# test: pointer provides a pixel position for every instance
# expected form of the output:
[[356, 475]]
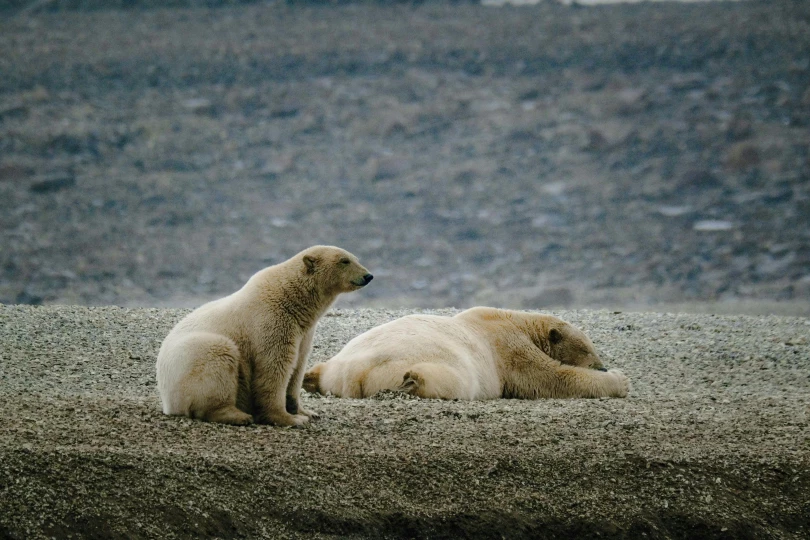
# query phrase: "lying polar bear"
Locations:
[[481, 353], [241, 358]]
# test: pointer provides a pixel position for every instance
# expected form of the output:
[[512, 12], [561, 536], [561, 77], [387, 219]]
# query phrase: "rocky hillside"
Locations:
[[541, 156]]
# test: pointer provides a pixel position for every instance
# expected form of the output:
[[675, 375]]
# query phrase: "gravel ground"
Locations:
[[713, 441], [544, 156]]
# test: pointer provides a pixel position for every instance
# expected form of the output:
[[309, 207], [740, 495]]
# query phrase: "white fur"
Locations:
[[481, 353], [241, 358]]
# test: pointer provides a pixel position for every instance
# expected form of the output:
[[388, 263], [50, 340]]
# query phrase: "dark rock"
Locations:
[[172, 164], [29, 298], [596, 141], [285, 109], [699, 179], [386, 167], [742, 156], [277, 166], [71, 144], [9, 112], [524, 135], [778, 196], [739, 128], [52, 183]]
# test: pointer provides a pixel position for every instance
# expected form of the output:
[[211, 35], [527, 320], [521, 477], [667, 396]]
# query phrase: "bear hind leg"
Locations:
[[411, 382], [227, 415], [211, 385], [433, 381]]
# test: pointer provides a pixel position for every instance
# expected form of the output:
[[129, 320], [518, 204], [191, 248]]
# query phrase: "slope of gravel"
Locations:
[[540, 156], [713, 441]]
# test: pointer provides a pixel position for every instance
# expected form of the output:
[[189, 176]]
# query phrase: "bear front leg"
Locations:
[[271, 377], [588, 383], [534, 375], [293, 399]]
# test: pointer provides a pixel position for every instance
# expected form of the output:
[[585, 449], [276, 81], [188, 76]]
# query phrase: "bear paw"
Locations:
[[411, 382], [229, 415], [621, 381], [285, 419], [306, 412]]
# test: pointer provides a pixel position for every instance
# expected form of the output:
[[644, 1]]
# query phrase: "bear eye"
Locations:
[[344, 261]]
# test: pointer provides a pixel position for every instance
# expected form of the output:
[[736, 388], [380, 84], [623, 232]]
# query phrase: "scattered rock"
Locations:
[[53, 182], [596, 141], [13, 111], [631, 100], [675, 211], [309, 123], [200, 106], [472, 171], [286, 108], [687, 81], [278, 165], [29, 298], [739, 128], [699, 179], [712, 225], [39, 94], [742, 156], [375, 134], [72, 143], [385, 167]]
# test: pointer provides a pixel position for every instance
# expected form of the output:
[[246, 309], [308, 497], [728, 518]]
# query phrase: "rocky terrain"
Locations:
[[712, 442], [550, 155]]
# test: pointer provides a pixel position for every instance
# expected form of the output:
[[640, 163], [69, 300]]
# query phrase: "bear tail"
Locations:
[[312, 379]]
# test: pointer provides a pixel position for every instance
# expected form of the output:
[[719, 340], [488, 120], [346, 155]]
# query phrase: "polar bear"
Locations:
[[242, 358], [481, 353]]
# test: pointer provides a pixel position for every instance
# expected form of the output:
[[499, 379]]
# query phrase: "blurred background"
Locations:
[[651, 156]]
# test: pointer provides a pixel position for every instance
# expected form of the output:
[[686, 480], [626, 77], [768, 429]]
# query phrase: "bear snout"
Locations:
[[363, 281]]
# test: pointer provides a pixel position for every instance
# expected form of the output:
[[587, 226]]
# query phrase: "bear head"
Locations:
[[569, 345], [558, 339], [335, 269]]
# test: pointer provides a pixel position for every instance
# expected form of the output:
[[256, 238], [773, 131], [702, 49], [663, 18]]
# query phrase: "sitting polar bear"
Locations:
[[242, 358], [481, 353]]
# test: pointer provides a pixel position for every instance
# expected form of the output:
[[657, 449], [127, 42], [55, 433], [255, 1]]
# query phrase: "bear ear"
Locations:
[[555, 336], [310, 263]]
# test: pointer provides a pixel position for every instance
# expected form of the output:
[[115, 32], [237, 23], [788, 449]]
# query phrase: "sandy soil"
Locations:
[[713, 442], [546, 156]]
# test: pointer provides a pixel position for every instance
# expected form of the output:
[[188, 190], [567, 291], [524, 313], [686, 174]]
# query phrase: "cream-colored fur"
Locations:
[[241, 358], [481, 353]]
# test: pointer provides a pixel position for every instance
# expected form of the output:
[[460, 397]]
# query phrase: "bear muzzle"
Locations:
[[597, 364], [363, 281]]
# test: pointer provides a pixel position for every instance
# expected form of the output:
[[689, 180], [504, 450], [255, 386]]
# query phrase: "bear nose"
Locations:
[[367, 278]]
